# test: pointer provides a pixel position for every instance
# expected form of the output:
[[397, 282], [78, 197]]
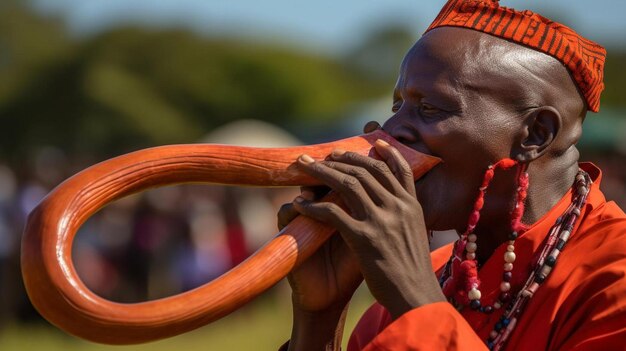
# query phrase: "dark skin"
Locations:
[[470, 99]]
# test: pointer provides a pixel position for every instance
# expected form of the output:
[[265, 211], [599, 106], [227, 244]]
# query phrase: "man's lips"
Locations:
[[421, 148]]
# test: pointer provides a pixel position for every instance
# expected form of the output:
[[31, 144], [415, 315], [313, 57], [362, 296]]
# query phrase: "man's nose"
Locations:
[[401, 129]]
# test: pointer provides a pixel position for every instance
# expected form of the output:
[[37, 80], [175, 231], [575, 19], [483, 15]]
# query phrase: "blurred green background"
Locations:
[[82, 81]]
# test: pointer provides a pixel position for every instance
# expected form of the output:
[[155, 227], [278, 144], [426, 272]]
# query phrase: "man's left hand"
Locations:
[[384, 227]]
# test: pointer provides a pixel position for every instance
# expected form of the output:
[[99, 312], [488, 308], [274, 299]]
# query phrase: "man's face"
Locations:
[[447, 105]]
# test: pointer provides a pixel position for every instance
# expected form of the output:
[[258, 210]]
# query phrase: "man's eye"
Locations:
[[428, 108]]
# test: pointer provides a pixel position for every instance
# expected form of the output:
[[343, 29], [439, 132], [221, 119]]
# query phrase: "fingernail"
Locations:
[[338, 152], [299, 200], [307, 194], [381, 142], [306, 159]]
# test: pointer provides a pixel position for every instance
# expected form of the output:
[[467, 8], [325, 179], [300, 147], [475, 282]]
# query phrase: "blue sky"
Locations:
[[327, 25]]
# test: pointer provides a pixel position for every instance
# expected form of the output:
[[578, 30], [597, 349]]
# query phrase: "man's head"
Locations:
[[488, 82], [472, 98]]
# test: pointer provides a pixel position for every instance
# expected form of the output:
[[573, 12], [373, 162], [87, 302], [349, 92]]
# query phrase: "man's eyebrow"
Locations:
[[437, 91]]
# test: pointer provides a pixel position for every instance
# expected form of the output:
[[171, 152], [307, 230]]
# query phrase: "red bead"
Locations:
[[505, 297], [479, 203], [488, 177], [505, 163], [473, 219]]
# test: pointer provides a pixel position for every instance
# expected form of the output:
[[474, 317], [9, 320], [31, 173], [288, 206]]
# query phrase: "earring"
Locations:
[[462, 282]]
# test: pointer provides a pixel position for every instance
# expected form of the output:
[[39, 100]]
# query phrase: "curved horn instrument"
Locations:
[[61, 297]]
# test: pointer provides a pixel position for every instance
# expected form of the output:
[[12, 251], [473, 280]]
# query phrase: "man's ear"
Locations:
[[540, 128]]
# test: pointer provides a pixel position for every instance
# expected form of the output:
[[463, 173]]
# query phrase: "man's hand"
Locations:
[[384, 228], [327, 279], [321, 287]]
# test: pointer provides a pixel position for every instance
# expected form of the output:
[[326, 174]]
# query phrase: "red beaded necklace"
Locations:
[[459, 279]]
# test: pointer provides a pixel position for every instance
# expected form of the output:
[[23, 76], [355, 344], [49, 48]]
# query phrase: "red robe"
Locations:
[[580, 306]]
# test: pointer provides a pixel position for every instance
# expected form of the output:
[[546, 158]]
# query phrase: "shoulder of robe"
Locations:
[[589, 280], [593, 263], [604, 229]]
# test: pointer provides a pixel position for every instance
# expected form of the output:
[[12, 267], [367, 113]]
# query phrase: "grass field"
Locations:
[[261, 325]]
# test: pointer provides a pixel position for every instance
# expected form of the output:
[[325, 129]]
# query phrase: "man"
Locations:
[[500, 96]]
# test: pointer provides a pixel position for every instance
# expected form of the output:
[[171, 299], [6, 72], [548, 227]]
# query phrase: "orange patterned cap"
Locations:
[[583, 58]]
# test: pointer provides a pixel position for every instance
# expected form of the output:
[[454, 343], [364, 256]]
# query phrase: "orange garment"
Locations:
[[580, 306]]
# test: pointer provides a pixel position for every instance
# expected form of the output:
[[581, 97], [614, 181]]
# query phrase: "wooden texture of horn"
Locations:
[[61, 297]]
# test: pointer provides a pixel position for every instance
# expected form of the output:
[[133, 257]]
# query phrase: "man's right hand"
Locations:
[[325, 282]]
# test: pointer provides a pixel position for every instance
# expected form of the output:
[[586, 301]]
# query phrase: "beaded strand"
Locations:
[[465, 288], [516, 228], [558, 237]]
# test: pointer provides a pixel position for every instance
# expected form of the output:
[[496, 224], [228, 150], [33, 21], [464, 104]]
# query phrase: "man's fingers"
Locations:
[[347, 186], [398, 165], [318, 191], [326, 212], [285, 215], [332, 214], [372, 186], [377, 168], [288, 213]]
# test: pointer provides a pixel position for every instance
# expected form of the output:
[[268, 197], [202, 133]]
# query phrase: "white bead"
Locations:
[[472, 238], [471, 247], [493, 334], [509, 257], [505, 286], [508, 267], [545, 270], [474, 294], [497, 305], [510, 248], [470, 256]]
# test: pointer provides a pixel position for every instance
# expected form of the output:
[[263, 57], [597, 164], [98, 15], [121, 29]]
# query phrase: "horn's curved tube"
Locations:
[[61, 297]]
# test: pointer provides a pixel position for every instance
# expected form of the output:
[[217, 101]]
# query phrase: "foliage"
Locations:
[[136, 87], [130, 88], [614, 94]]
